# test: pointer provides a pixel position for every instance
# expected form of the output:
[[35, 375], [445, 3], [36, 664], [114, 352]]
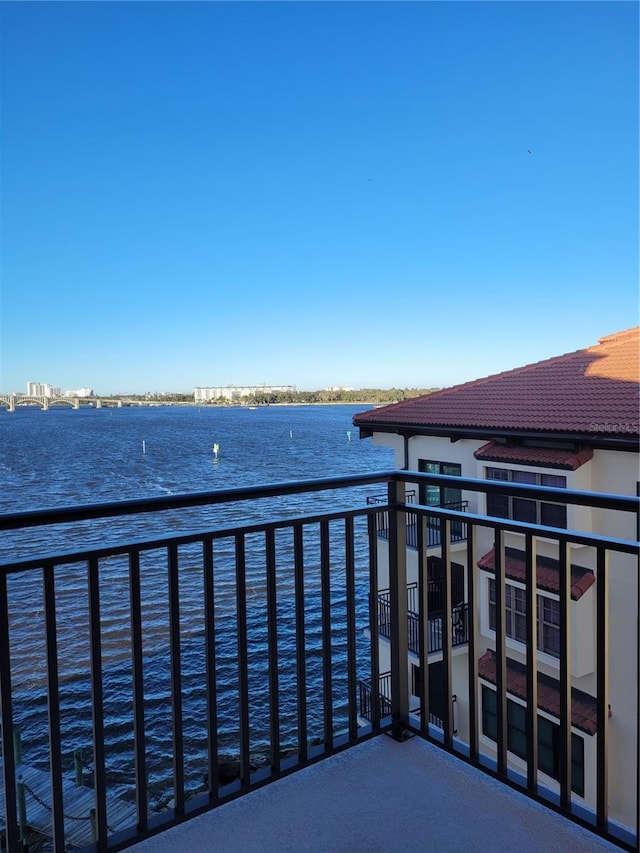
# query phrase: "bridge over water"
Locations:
[[12, 401]]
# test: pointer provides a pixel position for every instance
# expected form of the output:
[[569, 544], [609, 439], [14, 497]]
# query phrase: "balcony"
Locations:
[[384, 702], [433, 531], [435, 621], [368, 697], [221, 645]]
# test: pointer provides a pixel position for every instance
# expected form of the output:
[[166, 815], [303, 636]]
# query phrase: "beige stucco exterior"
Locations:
[[609, 471]]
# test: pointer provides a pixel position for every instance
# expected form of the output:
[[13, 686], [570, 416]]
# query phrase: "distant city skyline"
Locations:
[[204, 393], [374, 194], [45, 389]]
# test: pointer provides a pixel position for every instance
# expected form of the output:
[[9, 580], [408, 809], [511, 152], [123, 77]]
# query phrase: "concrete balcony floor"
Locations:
[[380, 796]]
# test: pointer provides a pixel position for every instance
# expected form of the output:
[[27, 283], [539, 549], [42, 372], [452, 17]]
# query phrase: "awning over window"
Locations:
[[547, 574], [540, 457]]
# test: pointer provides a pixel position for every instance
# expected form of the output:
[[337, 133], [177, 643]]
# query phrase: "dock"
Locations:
[[79, 801]]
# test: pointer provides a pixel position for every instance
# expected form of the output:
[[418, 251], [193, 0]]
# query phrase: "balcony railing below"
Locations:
[[434, 628], [367, 700], [433, 528], [384, 701]]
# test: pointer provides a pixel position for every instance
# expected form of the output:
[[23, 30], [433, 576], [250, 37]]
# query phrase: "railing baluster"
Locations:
[[398, 594], [137, 669], [472, 634], [210, 667], [243, 661], [97, 701], [374, 622], [638, 682], [445, 539], [176, 678], [350, 581], [531, 608], [501, 654], [413, 629], [423, 623], [12, 835], [384, 614], [301, 667], [602, 686], [272, 639], [53, 703], [564, 554], [325, 605]]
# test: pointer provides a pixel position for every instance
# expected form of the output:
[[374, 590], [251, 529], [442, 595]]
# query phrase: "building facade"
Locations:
[[41, 389], [570, 422], [235, 393]]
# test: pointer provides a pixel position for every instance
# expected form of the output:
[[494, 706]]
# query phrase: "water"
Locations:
[[64, 457]]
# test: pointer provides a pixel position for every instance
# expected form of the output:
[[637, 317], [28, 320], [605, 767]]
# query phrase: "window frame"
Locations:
[[548, 738], [517, 617], [437, 495], [525, 509], [548, 628]]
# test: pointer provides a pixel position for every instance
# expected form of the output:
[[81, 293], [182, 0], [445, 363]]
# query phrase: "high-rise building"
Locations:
[[39, 389]]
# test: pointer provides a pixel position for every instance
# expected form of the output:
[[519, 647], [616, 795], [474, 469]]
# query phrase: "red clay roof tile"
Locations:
[[547, 572], [592, 391], [541, 457], [583, 706]]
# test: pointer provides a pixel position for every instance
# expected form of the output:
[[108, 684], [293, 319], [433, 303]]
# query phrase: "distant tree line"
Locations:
[[341, 395], [362, 395], [156, 397]]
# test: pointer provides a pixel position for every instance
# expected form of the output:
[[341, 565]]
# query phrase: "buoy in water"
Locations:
[[216, 450]]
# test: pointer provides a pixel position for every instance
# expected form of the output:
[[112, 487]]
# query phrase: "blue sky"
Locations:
[[313, 193]]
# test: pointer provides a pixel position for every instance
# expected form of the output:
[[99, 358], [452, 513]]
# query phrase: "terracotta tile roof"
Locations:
[[583, 706], [547, 572], [592, 391], [541, 457]]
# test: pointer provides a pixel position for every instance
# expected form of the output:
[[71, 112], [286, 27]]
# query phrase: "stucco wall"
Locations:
[[608, 472]]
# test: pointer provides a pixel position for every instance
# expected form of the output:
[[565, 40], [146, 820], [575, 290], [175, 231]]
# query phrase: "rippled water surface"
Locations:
[[64, 457]]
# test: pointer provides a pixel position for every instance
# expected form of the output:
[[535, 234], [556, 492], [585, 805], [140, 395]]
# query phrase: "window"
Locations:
[[548, 617], [548, 739], [437, 495], [441, 496], [526, 509], [549, 626]]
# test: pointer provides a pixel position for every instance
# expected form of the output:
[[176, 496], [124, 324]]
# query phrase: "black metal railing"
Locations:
[[194, 664], [384, 703], [459, 619], [367, 699], [458, 528], [382, 515]]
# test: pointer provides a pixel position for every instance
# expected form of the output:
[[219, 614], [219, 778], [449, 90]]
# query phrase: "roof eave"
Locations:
[[455, 433]]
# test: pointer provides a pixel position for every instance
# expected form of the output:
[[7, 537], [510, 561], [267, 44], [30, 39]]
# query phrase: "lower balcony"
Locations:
[[433, 537], [368, 697], [434, 626], [154, 680]]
